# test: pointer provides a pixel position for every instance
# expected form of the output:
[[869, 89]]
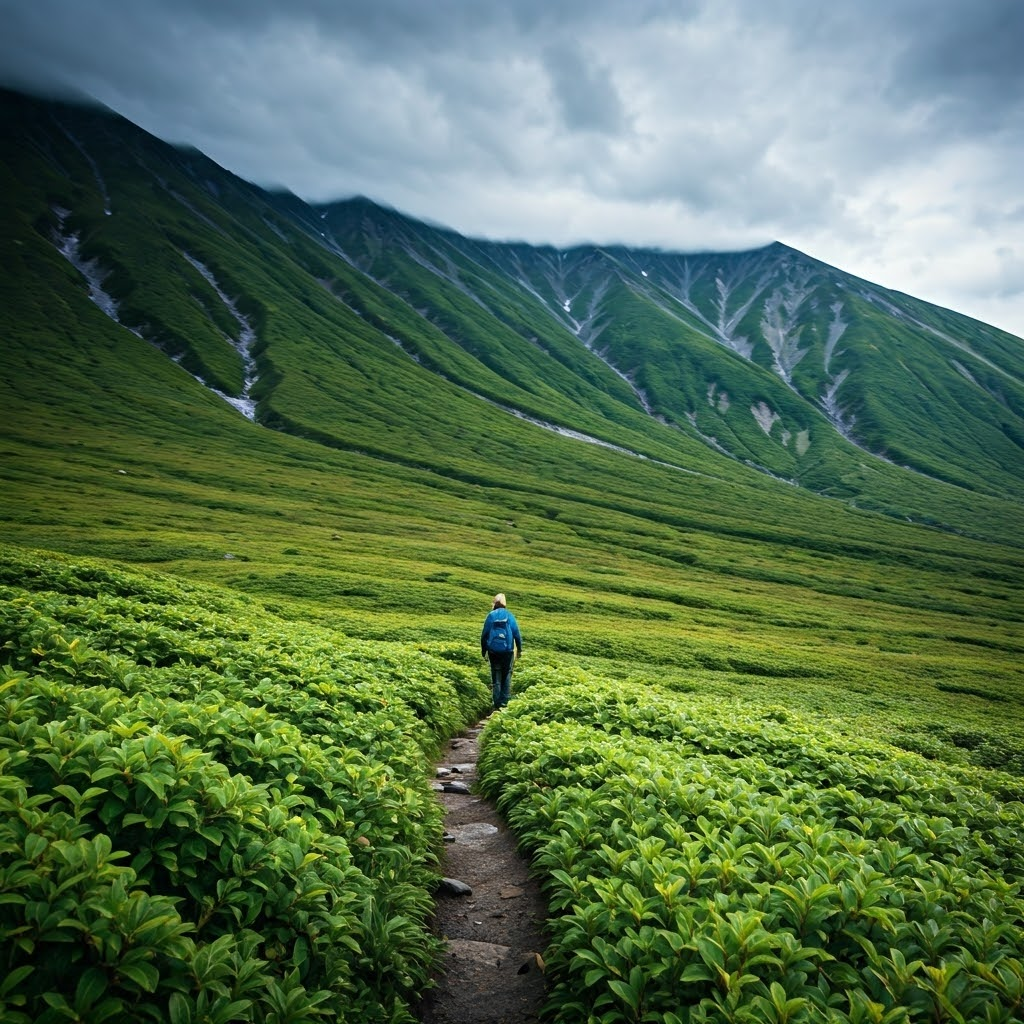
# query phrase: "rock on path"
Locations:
[[492, 968]]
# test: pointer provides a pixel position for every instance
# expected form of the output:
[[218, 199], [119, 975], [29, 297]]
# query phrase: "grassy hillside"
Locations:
[[424, 413], [215, 811], [742, 598], [707, 862], [386, 490], [210, 814]]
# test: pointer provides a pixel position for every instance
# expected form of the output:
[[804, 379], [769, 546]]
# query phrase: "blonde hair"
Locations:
[[499, 600]]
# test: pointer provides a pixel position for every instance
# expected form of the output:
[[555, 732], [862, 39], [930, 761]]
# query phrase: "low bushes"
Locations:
[[209, 815], [708, 863]]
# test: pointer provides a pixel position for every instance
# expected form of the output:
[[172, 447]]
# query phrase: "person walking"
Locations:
[[501, 641]]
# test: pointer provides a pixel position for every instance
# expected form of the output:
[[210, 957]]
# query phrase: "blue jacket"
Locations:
[[500, 613]]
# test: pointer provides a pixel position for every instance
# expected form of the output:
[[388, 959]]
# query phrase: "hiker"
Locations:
[[501, 641]]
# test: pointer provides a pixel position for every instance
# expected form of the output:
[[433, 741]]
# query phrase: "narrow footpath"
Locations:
[[489, 911]]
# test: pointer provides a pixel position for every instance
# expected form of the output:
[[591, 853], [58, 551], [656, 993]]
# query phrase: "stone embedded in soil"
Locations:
[[453, 887], [456, 787], [472, 832], [479, 953]]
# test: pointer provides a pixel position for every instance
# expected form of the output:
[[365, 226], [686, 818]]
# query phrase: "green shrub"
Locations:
[[208, 813], [704, 861]]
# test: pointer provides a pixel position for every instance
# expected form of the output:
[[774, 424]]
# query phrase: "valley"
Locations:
[[263, 464]]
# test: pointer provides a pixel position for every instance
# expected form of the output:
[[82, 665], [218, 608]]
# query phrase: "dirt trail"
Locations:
[[492, 968]]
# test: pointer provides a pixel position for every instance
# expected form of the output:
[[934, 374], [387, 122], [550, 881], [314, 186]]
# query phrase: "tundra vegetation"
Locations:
[[766, 754], [710, 861]]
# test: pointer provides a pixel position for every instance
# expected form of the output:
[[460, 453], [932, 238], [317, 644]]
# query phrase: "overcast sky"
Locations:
[[885, 137]]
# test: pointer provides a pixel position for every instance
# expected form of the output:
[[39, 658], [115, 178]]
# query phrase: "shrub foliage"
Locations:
[[208, 814], [708, 863]]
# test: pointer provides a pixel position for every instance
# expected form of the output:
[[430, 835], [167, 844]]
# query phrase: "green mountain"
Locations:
[[760, 522], [775, 359], [745, 462], [330, 320]]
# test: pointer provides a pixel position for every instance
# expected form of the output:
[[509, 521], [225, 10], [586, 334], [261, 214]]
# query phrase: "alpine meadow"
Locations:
[[264, 464]]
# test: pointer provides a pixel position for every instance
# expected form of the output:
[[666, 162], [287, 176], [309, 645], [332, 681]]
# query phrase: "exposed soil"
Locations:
[[492, 970]]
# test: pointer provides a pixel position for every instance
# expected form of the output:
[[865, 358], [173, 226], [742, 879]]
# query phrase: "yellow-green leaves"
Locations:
[[212, 814], [706, 861]]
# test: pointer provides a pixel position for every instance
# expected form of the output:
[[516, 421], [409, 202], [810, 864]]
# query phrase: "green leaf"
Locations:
[[711, 952], [109, 1009], [35, 845], [58, 1003], [91, 986], [146, 976], [625, 992], [152, 783], [180, 1009], [696, 972], [13, 979]]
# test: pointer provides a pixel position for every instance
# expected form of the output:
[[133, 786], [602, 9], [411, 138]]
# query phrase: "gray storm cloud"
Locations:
[[882, 137]]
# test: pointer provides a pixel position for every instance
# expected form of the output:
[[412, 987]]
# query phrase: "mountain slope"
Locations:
[[416, 420], [368, 331], [339, 417], [777, 359]]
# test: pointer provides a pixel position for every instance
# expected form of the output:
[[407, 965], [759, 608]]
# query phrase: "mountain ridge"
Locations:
[[715, 363], [783, 357]]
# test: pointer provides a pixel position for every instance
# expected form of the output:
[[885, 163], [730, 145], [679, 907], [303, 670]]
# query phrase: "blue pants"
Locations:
[[501, 677]]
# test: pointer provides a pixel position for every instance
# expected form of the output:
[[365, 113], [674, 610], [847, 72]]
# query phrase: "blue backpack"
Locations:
[[499, 636]]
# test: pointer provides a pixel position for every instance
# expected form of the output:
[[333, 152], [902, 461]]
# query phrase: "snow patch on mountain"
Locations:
[[779, 322], [840, 419], [830, 400], [718, 399], [713, 442], [69, 246], [836, 329], [963, 371], [766, 417], [243, 345], [640, 395], [727, 309], [588, 439], [726, 289], [588, 331]]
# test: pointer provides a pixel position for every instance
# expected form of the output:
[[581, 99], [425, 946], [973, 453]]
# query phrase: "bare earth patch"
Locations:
[[492, 971]]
